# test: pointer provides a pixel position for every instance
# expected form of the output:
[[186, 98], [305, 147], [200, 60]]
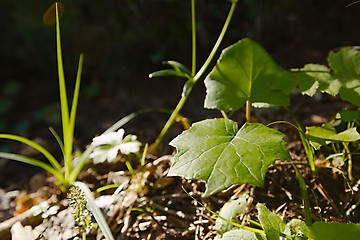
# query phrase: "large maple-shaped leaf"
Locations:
[[245, 71], [215, 151]]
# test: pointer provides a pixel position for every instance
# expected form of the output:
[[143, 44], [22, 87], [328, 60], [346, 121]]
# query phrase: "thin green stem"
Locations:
[[309, 150], [193, 32], [197, 76], [218, 42], [169, 123], [349, 160], [235, 224], [305, 196]]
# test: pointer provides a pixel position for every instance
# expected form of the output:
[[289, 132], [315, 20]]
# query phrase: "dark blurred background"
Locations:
[[125, 40]]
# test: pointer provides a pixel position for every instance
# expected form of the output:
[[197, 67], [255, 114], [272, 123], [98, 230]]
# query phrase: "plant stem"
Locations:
[[199, 74], [248, 111], [349, 160], [193, 34], [169, 123], [309, 150], [305, 196], [218, 42]]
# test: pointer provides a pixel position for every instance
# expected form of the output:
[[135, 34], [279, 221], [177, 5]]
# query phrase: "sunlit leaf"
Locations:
[[215, 151], [272, 224], [246, 71], [326, 134], [346, 66], [334, 231], [316, 77]]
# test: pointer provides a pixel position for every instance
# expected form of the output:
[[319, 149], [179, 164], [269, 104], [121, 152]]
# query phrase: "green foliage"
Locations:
[[346, 66], [275, 228], [342, 78], [66, 178], [215, 151], [245, 71], [326, 134], [230, 211]]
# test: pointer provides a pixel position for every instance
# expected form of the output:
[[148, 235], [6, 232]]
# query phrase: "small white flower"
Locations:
[[108, 145]]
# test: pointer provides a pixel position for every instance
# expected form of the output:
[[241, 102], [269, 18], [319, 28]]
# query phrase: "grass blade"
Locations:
[[36, 146], [34, 162]]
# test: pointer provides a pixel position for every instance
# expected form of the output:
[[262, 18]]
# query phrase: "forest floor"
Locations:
[[151, 205]]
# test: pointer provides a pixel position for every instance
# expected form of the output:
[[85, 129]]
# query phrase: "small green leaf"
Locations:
[[178, 66], [246, 71], [299, 229], [215, 151], [316, 77], [334, 231], [167, 73], [327, 134], [346, 66], [272, 224], [230, 211], [179, 70]]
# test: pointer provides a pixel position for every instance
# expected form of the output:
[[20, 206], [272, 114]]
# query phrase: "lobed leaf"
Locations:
[[215, 151], [245, 71]]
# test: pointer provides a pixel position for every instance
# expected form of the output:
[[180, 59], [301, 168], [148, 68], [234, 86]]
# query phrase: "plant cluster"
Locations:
[[218, 151]]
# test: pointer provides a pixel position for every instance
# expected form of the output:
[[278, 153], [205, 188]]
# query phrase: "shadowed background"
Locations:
[[126, 40]]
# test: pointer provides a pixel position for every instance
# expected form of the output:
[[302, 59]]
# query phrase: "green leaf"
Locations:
[[230, 211], [272, 224], [349, 115], [179, 70], [246, 71], [215, 151], [35, 162], [178, 66], [167, 73], [334, 231], [327, 134], [316, 77], [346, 66], [36, 146], [299, 229]]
